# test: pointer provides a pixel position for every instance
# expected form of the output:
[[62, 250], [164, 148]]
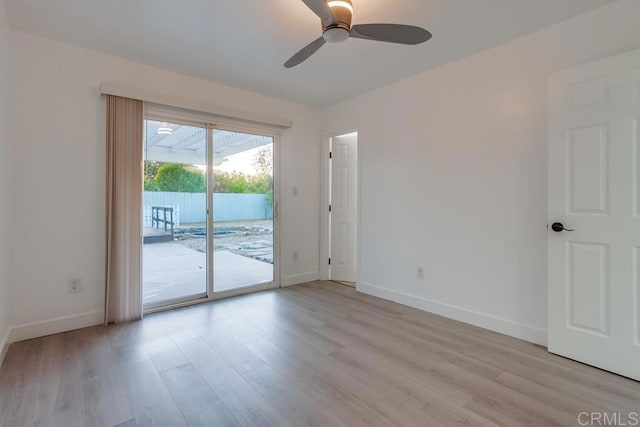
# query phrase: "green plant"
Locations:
[[263, 162], [175, 177], [229, 182], [150, 185], [151, 169]]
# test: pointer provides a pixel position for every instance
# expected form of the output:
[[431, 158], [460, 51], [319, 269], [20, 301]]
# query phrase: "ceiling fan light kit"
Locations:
[[335, 35], [346, 4], [338, 31], [336, 16]]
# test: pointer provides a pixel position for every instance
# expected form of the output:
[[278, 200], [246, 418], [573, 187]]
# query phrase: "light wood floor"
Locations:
[[316, 354], [344, 283]]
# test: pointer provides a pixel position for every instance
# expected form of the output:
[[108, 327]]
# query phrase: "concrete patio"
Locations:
[[172, 270]]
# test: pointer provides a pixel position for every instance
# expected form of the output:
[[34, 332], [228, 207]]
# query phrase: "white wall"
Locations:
[[5, 182], [58, 117], [453, 175]]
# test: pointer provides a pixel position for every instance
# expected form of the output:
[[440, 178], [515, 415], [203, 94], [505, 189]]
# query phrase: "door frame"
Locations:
[[325, 201], [168, 114]]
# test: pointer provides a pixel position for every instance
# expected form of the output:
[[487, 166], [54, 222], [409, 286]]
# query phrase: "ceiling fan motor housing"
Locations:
[[338, 30]]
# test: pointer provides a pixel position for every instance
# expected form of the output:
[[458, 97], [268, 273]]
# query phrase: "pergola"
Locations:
[[188, 144]]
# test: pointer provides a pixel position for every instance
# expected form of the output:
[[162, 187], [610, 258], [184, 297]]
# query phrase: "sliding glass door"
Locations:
[[175, 213], [209, 199], [243, 195]]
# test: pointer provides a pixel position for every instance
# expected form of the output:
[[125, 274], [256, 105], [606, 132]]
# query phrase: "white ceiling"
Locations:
[[244, 43]]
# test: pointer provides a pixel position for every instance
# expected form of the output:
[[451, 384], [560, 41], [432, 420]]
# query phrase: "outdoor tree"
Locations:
[[175, 177], [236, 182], [150, 171], [263, 180], [229, 182], [150, 185], [263, 162]]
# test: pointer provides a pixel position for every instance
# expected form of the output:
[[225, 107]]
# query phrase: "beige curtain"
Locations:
[[123, 299]]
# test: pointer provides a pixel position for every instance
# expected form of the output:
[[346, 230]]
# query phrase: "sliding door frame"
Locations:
[[202, 120], [275, 136]]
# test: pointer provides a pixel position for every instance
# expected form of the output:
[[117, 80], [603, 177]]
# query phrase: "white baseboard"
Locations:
[[4, 346], [486, 321], [55, 326], [296, 279]]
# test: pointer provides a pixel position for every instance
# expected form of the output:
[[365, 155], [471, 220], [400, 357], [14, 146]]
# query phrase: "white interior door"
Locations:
[[594, 189], [344, 164]]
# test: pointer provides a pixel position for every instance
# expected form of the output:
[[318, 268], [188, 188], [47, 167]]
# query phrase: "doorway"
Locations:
[[209, 201], [343, 208]]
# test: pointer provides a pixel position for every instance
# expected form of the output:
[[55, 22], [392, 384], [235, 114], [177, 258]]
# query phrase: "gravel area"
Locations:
[[251, 241]]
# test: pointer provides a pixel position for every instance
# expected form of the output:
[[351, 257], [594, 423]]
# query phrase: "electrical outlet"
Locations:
[[420, 273], [75, 286]]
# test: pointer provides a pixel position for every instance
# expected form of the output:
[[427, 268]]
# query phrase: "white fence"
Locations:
[[191, 208]]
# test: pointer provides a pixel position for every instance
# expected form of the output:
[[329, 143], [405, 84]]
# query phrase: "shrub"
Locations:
[[175, 177]]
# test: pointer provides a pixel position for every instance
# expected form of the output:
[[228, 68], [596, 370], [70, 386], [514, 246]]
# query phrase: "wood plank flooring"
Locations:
[[350, 284], [317, 354]]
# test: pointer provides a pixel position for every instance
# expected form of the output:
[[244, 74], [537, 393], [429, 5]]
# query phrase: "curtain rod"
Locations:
[[193, 105]]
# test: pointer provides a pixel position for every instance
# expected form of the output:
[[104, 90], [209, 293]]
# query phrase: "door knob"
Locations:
[[559, 227]]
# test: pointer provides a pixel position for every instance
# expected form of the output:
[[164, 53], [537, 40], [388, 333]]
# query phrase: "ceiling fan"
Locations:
[[336, 27]]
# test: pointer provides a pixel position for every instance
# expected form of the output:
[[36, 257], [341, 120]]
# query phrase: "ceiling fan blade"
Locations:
[[320, 8], [305, 53], [392, 33]]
